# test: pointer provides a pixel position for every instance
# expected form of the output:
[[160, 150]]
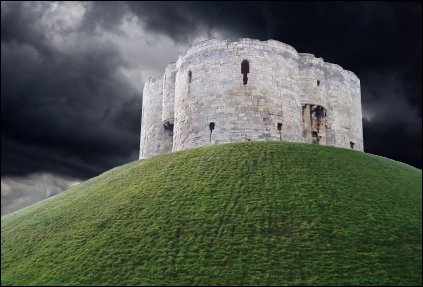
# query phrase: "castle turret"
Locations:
[[168, 102], [245, 90], [154, 138]]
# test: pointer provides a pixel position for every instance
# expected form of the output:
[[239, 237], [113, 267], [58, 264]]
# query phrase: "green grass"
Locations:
[[255, 213]]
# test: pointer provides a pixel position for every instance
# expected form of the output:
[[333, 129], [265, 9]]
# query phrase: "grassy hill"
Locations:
[[266, 213]]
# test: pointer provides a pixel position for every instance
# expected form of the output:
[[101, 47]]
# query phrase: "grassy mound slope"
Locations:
[[247, 213]]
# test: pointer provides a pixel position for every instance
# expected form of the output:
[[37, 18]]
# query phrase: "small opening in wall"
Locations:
[[280, 131], [352, 145], [318, 83], [211, 126], [245, 69], [168, 128], [279, 126], [189, 76]]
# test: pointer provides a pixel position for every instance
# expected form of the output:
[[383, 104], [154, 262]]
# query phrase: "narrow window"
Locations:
[[245, 69], [352, 145], [279, 126], [189, 76], [280, 131], [168, 128], [318, 83], [211, 126]]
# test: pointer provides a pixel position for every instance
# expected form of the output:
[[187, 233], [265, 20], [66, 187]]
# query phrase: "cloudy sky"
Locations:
[[72, 75]]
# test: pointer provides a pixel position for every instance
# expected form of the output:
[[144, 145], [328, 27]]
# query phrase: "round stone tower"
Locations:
[[222, 91]]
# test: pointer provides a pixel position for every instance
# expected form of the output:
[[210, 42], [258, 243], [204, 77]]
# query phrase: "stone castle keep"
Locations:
[[222, 91]]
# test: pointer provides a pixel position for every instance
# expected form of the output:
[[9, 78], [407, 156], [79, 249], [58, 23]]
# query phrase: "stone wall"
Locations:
[[154, 138], [206, 98]]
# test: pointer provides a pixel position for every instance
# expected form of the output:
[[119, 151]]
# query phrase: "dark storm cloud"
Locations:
[[62, 110], [393, 127], [21, 24], [386, 140], [105, 14], [180, 20]]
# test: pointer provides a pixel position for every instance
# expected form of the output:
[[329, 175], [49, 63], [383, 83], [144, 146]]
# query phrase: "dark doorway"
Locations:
[[280, 131], [211, 126]]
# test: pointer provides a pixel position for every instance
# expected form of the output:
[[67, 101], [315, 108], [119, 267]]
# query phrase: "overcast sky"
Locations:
[[72, 75]]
